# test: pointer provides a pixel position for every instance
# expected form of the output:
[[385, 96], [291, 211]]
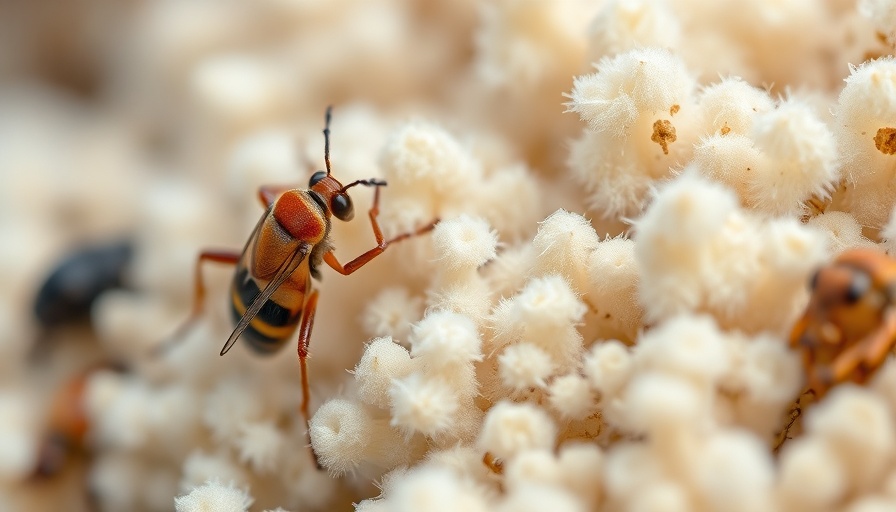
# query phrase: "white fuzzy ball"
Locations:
[[730, 106], [464, 242], [810, 476], [523, 366], [730, 159], [687, 212], [425, 160], [843, 231], [608, 366], [641, 81], [446, 338], [865, 110], [571, 396], [532, 467], [658, 403], [614, 284], [563, 243], [631, 468], [685, 346], [735, 472], [545, 304], [214, 497], [434, 489], [617, 183], [859, 427], [801, 158], [511, 428], [772, 373], [424, 405], [581, 464], [383, 360], [792, 250], [340, 432]]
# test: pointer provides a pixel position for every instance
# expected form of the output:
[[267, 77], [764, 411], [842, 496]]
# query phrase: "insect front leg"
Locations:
[[302, 348], [381, 243], [218, 256], [878, 345]]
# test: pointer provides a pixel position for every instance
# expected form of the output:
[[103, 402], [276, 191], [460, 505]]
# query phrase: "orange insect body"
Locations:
[[293, 229], [849, 326]]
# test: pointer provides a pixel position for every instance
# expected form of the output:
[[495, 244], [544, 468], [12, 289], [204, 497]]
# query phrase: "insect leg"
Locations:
[[880, 343], [381, 243], [218, 256], [302, 349], [839, 370]]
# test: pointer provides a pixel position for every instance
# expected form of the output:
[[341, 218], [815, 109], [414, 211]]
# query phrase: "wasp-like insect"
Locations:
[[849, 326], [271, 293]]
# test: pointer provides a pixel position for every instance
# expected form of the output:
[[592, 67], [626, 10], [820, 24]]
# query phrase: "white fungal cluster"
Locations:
[[598, 320]]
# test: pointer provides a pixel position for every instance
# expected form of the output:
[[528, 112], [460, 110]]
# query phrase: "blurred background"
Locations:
[[150, 124]]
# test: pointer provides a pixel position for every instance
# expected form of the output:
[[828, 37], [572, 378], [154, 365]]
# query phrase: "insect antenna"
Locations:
[[372, 182], [327, 137]]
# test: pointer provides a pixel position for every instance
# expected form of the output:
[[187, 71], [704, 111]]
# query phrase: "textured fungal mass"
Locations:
[[885, 141], [663, 134]]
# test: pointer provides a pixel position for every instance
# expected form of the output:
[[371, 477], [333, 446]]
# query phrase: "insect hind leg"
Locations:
[[302, 349], [228, 257]]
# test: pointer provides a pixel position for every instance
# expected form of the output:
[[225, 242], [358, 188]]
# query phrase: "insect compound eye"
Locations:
[[858, 286], [342, 208], [316, 177]]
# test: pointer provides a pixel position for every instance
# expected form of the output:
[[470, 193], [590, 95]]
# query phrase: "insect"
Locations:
[[849, 326], [71, 288], [67, 423], [271, 293]]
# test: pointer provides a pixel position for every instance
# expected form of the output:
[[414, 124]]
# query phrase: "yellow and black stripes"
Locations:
[[272, 326]]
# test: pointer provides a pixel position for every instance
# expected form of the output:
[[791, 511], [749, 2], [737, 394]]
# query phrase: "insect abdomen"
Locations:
[[272, 326]]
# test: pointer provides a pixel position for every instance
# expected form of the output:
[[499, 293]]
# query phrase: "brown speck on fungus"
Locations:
[[663, 134], [674, 110], [884, 141], [725, 130]]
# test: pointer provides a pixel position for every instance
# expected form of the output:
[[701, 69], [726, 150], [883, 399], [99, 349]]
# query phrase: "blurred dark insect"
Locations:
[[69, 291]]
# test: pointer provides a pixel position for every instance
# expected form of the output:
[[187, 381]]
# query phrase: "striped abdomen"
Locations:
[[274, 324]]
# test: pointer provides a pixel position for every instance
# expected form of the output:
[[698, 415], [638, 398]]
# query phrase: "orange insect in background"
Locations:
[[849, 326], [271, 293], [67, 423]]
